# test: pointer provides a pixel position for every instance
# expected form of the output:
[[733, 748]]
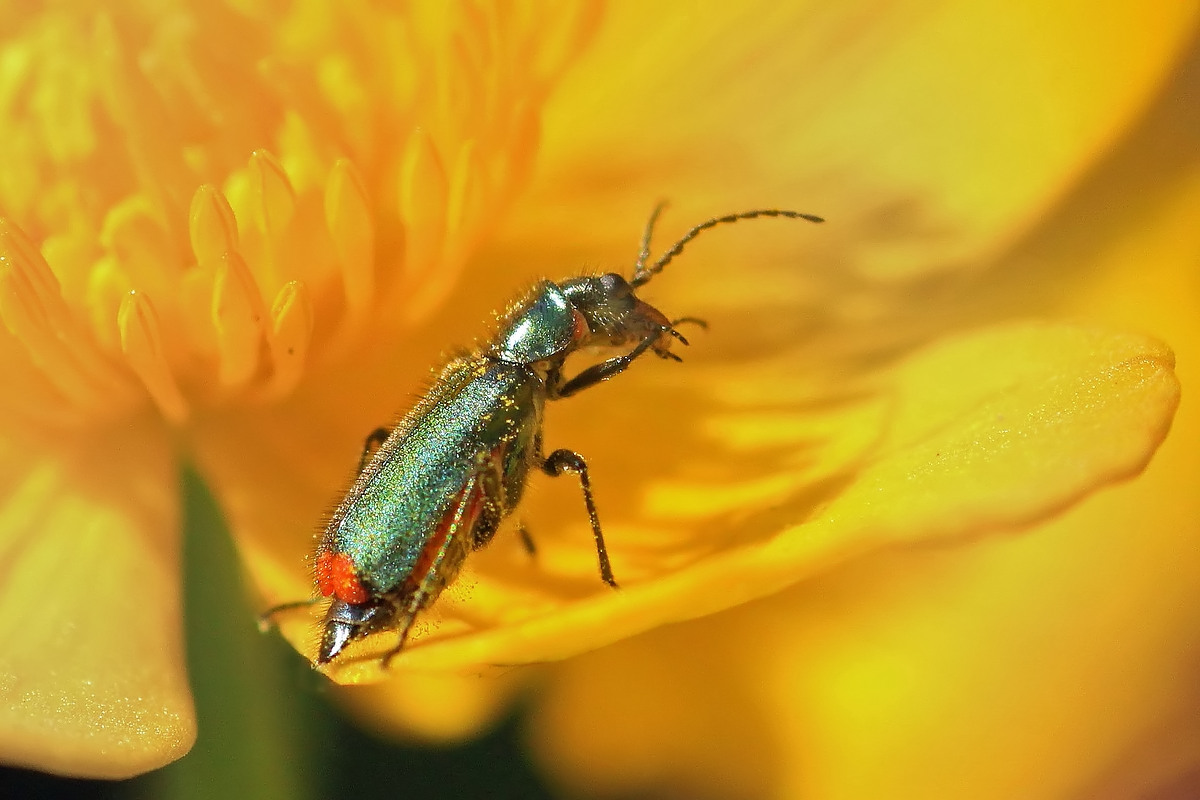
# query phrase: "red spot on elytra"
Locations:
[[336, 578]]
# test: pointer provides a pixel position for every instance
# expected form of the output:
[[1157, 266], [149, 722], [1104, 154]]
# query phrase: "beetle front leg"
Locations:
[[561, 461], [602, 371]]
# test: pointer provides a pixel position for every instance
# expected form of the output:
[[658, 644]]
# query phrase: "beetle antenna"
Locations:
[[640, 267], [642, 273]]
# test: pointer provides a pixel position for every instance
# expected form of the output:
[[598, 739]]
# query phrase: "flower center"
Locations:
[[200, 201]]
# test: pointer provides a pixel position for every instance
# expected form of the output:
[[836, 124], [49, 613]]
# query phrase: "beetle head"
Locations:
[[614, 314]]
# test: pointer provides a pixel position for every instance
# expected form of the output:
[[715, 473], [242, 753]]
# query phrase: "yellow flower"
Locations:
[[165, 296]]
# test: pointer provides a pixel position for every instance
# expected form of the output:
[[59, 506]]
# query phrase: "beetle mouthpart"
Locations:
[[337, 634]]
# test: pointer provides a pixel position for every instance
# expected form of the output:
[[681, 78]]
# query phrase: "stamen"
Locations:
[[523, 140], [143, 252], [138, 109], [464, 209], [275, 199], [24, 257], [348, 218], [169, 109], [268, 207], [423, 193], [33, 310], [141, 343], [468, 186], [291, 335], [212, 225], [238, 317]]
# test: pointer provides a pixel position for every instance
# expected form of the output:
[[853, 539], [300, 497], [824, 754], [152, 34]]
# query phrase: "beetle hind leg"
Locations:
[[406, 623], [527, 540], [266, 620]]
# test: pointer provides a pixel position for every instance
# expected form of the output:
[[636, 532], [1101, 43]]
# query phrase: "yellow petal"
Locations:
[[931, 135], [997, 428], [1041, 666], [92, 676]]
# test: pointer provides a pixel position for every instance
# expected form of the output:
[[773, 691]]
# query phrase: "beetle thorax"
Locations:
[[543, 325]]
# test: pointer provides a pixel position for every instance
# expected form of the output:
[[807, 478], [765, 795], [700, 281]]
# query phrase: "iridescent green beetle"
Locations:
[[438, 485]]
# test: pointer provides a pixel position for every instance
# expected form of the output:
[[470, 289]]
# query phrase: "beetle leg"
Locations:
[[664, 353], [432, 581], [485, 529], [526, 539], [667, 354], [374, 440], [406, 619], [561, 461], [691, 321], [266, 621], [604, 370], [490, 514]]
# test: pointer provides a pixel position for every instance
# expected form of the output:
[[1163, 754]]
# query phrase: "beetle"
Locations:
[[438, 485]]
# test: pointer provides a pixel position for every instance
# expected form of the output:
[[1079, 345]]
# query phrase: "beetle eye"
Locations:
[[615, 287], [611, 281]]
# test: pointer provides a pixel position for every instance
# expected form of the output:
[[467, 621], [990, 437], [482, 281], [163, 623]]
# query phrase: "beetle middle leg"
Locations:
[[561, 461]]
